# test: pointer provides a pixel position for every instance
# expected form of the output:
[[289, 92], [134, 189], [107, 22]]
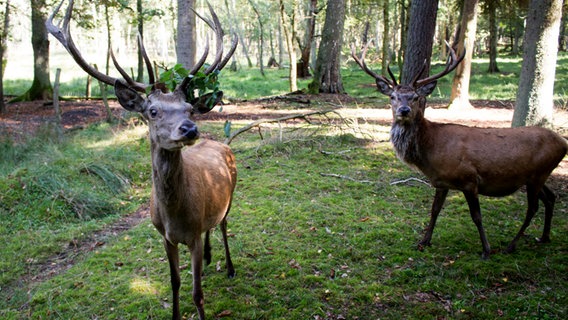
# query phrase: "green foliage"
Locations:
[[198, 85], [309, 245]]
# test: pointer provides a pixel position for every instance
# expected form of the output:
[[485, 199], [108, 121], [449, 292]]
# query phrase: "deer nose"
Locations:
[[189, 130], [404, 111]]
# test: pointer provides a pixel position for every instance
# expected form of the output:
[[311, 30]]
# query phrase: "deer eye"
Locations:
[[153, 112]]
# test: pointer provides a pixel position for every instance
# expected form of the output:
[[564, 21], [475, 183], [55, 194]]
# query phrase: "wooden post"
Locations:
[[58, 126]]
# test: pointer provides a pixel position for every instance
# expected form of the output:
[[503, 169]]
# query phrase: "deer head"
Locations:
[[408, 101], [168, 113]]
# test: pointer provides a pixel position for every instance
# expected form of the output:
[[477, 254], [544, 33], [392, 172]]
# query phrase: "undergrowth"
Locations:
[[317, 230]]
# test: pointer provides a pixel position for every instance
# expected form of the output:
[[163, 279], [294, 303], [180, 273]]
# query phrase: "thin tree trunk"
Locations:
[[534, 104], [140, 24], [493, 30], [304, 64], [58, 126], [466, 39], [3, 37], [290, 35], [261, 38], [386, 33]]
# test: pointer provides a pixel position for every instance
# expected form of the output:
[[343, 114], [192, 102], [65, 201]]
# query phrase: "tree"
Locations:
[[306, 48], [3, 36], [465, 40], [41, 85], [420, 37], [186, 35], [289, 26], [327, 75], [534, 104], [491, 10]]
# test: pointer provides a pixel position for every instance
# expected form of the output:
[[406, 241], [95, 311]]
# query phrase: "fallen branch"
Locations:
[[303, 116], [409, 179]]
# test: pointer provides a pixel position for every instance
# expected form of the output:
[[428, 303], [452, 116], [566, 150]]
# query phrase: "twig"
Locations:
[[409, 179], [285, 118]]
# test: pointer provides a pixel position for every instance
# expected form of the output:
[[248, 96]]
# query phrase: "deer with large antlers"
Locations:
[[488, 161], [192, 188]]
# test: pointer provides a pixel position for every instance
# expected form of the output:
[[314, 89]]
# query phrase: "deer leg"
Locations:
[[207, 249], [437, 205], [548, 198], [197, 268], [230, 268], [173, 259], [532, 199], [475, 212]]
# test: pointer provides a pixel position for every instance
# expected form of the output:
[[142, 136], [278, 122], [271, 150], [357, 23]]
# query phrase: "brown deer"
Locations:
[[488, 161], [192, 188]]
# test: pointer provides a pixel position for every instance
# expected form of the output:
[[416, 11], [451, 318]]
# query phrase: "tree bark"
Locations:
[[41, 86], [304, 64], [140, 25], [420, 37], [327, 75], [3, 38], [466, 39], [288, 25], [386, 37], [534, 104], [493, 35], [186, 34]]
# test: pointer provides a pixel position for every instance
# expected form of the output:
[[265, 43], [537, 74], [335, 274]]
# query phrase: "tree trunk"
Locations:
[[261, 37], [493, 35], [140, 23], [466, 39], [41, 86], [327, 75], [534, 103], [404, 21], [3, 38], [186, 34], [304, 64], [288, 25], [236, 24], [386, 37], [420, 37]]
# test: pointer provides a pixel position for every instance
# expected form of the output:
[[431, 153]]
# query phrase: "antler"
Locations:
[[63, 35], [361, 62], [453, 62], [219, 62]]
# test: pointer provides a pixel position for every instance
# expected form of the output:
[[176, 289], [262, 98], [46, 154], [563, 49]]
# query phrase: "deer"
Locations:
[[493, 162], [192, 183]]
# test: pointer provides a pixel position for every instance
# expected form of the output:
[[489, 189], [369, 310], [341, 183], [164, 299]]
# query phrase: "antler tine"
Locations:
[[123, 73], [453, 62], [419, 73], [201, 60], [234, 44], [147, 61], [63, 35], [363, 65], [219, 40]]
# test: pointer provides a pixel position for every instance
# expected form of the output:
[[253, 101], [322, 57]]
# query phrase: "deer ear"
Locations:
[[128, 98], [207, 102], [384, 87], [426, 89]]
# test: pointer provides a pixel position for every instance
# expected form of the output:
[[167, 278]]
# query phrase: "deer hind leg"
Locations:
[[437, 205], [173, 259], [207, 249], [196, 250], [475, 212], [230, 268], [548, 198], [532, 198]]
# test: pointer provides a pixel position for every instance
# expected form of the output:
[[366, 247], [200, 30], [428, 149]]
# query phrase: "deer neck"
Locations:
[[406, 137], [167, 175]]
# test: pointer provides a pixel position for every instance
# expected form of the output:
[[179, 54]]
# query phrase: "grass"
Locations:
[[306, 245]]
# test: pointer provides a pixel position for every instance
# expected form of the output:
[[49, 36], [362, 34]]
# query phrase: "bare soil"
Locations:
[[26, 118]]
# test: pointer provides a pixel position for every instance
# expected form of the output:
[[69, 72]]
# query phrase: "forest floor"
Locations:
[[26, 118]]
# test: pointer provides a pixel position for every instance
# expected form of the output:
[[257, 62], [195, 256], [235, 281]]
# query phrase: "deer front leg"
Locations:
[[532, 199], [475, 212], [197, 268], [439, 199], [173, 259], [230, 268]]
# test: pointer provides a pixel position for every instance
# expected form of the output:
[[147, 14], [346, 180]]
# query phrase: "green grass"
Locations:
[[291, 229]]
